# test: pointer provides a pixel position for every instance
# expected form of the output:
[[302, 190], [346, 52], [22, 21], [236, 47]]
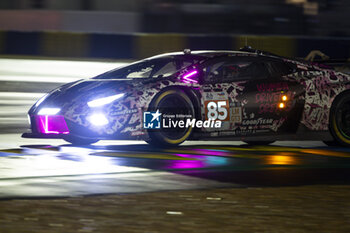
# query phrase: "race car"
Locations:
[[245, 95]]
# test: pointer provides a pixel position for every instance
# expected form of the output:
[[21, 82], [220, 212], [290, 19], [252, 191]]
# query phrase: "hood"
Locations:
[[86, 90]]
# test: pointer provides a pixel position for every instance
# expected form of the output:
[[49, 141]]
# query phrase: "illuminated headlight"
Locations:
[[104, 101], [49, 111], [98, 119]]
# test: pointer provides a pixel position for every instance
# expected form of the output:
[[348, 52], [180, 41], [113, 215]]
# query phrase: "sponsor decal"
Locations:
[[169, 123], [152, 120], [264, 87], [157, 120], [137, 133], [227, 133], [259, 121], [269, 96], [236, 115], [209, 96], [215, 96], [217, 110], [124, 112]]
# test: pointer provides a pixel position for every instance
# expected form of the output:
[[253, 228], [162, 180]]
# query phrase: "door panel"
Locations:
[[249, 98], [271, 106], [220, 102]]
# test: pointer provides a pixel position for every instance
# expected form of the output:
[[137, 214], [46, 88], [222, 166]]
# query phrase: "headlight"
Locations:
[[104, 101], [49, 111], [98, 119]]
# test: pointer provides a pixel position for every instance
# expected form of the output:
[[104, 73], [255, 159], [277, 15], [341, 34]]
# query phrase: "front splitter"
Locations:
[[33, 135]]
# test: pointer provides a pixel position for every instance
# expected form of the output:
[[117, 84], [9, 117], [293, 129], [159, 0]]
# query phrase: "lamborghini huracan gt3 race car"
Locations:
[[245, 95]]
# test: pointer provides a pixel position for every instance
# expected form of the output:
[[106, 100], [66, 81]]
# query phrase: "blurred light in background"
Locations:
[[24, 81], [56, 71], [299, 17]]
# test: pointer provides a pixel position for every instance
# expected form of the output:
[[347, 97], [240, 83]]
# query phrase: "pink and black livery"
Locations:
[[257, 97]]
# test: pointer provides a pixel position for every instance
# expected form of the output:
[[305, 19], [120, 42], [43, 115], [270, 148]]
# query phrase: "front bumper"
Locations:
[[47, 127]]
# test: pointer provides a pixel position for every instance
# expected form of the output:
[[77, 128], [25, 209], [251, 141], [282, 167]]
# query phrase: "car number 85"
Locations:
[[217, 110]]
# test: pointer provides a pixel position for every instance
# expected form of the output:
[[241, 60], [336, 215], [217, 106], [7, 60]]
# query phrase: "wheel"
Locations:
[[339, 120], [172, 102], [80, 141], [258, 143]]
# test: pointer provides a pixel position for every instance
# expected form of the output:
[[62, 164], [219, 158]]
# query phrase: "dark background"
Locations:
[[133, 29]]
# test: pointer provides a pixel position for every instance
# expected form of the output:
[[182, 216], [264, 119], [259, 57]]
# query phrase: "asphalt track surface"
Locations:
[[53, 168]]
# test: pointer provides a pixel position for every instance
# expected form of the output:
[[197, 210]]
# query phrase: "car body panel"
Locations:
[[251, 105]]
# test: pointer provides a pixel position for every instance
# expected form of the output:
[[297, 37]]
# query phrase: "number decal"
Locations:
[[217, 110], [222, 110], [212, 110]]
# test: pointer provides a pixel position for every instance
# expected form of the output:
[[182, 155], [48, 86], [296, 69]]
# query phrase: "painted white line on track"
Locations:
[[52, 70], [18, 95], [17, 102], [48, 164], [10, 119], [30, 78], [12, 114], [13, 110]]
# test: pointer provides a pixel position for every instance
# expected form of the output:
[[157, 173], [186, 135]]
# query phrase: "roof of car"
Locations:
[[214, 53], [201, 52]]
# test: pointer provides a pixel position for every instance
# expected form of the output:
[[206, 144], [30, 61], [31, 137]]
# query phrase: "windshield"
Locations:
[[152, 68]]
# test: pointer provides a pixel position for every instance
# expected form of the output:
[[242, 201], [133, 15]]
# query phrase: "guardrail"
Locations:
[[135, 46]]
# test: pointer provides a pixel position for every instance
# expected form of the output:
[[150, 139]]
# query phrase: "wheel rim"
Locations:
[[172, 105], [343, 119]]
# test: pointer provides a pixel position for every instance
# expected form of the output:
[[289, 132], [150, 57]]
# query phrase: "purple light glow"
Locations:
[[191, 156], [51, 124], [187, 78], [186, 164], [212, 152]]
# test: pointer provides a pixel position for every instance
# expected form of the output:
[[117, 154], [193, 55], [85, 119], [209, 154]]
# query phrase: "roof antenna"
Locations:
[[187, 51]]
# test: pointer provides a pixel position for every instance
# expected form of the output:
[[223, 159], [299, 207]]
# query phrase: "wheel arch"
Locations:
[[195, 99], [194, 96], [332, 127], [334, 101], [337, 97]]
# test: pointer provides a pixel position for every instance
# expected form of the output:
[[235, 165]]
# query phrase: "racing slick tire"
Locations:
[[258, 143], [171, 102], [339, 120], [80, 141]]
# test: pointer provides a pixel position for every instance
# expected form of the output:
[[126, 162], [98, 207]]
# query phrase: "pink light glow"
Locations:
[[51, 124], [187, 78], [188, 164], [212, 152]]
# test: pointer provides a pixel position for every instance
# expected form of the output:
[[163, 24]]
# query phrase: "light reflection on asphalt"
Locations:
[[188, 157], [61, 170]]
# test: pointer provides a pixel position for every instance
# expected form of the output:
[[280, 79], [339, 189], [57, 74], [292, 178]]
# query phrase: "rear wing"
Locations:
[[322, 60], [340, 65], [334, 63]]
